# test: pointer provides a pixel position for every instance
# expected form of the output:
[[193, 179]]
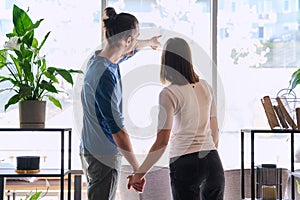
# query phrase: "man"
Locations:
[[104, 137]]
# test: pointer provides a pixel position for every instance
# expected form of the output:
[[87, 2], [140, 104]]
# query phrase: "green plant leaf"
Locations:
[[298, 186], [295, 79], [17, 65], [48, 86], [25, 91], [51, 70], [36, 196], [44, 40], [5, 89], [35, 25], [296, 74], [18, 53], [35, 43], [3, 56], [50, 76], [21, 20], [26, 54], [54, 101], [10, 35], [28, 75], [27, 196], [76, 71], [4, 78], [65, 74], [28, 38], [295, 82], [13, 100], [43, 67]]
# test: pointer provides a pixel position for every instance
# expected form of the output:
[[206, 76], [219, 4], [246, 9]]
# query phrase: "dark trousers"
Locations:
[[102, 179], [197, 176]]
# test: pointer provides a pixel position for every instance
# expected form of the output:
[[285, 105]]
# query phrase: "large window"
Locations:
[[258, 44]]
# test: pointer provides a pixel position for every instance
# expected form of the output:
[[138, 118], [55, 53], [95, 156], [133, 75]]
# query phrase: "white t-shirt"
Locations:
[[187, 109]]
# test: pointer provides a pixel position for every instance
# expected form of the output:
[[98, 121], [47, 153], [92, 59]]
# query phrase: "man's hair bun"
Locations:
[[109, 16], [118, 26], [110, 12]]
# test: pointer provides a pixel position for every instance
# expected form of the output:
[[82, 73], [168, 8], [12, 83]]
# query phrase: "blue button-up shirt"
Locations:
[[101, 98]]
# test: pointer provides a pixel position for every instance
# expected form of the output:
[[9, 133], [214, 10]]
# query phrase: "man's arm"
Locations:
[[152, 42], [124, 144]]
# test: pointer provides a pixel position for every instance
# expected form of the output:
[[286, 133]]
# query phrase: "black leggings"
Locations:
[[197, 176]]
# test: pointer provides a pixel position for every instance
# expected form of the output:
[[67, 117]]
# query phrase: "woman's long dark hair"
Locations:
[[176, 63]]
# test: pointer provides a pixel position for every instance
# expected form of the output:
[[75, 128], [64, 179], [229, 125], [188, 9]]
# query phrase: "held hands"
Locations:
[[136, 182]]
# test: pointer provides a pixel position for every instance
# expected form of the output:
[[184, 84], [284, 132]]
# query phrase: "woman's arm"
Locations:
[[155, 153], [214, 130], [165, 121]]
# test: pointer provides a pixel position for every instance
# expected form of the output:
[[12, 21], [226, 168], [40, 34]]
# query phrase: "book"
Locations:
[[287, 116], [298, 117], [281, 117], [270, 113]]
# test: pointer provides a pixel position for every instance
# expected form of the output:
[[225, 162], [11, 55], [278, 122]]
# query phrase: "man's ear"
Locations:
[[128, 40]]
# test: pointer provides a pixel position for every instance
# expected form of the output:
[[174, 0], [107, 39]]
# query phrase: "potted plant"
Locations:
[[32, 80]]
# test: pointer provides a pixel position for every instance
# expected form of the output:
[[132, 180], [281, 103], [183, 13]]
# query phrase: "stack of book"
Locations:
[[278, 115]]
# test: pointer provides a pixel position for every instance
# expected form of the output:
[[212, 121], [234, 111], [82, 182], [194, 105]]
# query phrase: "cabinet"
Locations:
[[252, 133], [61, 171]]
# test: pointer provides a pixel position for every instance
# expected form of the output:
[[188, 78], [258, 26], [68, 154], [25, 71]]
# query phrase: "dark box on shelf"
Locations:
[[28, 164]]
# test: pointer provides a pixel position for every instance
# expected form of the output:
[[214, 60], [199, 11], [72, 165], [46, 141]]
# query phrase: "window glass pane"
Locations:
[[141, 84], [258, 46], [75, 31], [233, 6], [179, 16], [286, 5]]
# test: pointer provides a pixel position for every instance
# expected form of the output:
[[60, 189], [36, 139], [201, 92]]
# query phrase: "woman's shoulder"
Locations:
[[168, 91], [203, 82], [165, 90]]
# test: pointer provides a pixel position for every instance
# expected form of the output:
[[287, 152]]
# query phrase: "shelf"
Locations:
[[296, 173], [36, 129], [42, 173], [253, 133], [58, 172], [261, 199], [270, 130]]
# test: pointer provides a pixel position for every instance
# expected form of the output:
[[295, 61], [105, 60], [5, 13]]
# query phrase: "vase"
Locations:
[[32, 114]]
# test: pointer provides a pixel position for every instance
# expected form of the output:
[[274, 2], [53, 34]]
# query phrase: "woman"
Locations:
[[104, 137], [187, 108]]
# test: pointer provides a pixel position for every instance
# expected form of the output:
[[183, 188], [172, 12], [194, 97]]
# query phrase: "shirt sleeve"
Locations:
[[128, 56], [109, 111], [166, 109]]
